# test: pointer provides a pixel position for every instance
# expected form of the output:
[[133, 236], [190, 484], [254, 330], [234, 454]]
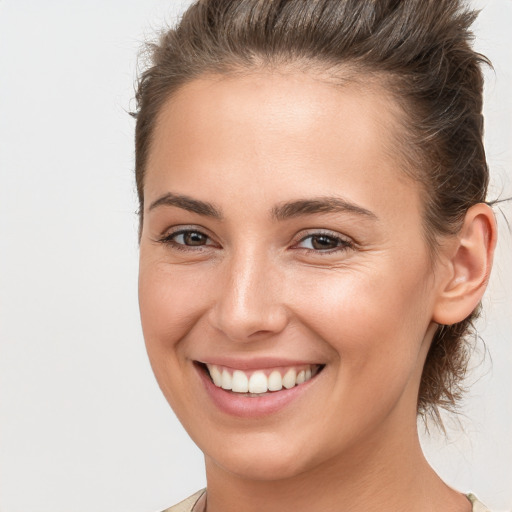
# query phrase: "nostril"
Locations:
[[245, 311]]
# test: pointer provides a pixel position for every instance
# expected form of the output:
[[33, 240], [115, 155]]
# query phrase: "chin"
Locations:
[[263, 460]]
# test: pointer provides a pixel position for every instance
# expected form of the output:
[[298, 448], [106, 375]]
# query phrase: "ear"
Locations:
[[468, 266]]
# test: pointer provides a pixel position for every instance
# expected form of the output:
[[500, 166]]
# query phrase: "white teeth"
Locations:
[[226, 380], [216, 375], [240, 382], [289, 379], [275, 381], [258, 383]]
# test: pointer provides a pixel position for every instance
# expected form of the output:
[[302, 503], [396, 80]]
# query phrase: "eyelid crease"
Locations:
[[305, 233], [184, 228]]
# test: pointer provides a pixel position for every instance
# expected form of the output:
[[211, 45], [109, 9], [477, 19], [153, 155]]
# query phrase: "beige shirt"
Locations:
[[197, 503]]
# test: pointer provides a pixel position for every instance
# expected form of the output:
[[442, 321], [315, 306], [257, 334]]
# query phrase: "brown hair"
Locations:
[[420, 50]]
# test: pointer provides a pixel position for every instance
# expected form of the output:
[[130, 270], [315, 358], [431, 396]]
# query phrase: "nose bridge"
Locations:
[[249, 300]]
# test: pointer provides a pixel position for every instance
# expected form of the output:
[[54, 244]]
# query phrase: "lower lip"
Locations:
[[237, 404]]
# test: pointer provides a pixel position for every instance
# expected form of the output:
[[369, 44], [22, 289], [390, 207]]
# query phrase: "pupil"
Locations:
[[194, 238], [324, 242]]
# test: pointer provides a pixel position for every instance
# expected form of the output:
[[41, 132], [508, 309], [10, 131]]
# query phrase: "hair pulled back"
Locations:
[[419, 50]]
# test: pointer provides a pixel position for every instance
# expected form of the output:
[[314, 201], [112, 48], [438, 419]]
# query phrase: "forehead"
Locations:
[[290, 132]]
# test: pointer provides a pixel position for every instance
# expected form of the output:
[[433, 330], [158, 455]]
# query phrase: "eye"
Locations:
[[191, 238], [321, 242], [187, 239]]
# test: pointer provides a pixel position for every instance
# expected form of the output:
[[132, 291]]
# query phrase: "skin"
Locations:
[[257, 286]]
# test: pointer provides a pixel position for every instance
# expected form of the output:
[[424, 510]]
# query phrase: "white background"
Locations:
[[83, 426]]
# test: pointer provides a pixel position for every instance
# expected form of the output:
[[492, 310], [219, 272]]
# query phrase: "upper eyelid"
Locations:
[[302, 235], [185, 228]]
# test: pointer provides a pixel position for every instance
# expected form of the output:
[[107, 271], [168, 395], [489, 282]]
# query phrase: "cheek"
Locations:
[[371, 319], [375, 327], [170, 301]]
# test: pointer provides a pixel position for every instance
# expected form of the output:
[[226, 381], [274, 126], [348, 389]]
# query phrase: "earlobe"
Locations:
[[469, 266]]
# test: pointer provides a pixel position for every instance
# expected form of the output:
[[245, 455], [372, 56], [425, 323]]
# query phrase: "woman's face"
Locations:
[[281, 242]]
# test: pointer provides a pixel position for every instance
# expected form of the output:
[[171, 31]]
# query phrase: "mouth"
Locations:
[[259, 382]]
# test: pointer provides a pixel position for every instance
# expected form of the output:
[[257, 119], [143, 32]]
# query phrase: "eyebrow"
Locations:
[[280, 212], [187, 203], [319, 205]]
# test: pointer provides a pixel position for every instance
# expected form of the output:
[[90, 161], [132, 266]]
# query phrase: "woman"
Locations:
[[314, 244]]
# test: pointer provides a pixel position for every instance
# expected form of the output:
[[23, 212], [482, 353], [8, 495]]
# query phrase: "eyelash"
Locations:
[[343, 244], [169, 239]]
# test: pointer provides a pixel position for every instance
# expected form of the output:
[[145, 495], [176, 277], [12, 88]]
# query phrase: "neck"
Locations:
[[382, 476]]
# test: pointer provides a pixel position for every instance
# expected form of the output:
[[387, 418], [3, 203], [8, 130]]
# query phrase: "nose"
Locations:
[[249, 300]]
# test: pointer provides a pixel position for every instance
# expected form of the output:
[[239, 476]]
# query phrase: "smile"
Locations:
[[259, 387], [258, 382]]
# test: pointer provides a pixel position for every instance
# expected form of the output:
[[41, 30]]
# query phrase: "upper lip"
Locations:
[[254, 363]]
